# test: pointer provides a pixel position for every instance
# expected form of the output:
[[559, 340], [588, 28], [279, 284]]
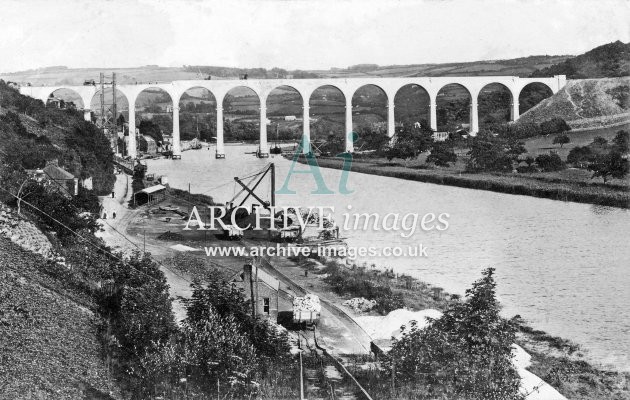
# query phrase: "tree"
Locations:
[[554, 125], [120, 121], [488, 153], [621, 141], [467, 353], [550, 162], [409, 141], [442, 154], [611, 165], [371, 139], [151, 129], [580, 154], [561, 140], [599, 141]]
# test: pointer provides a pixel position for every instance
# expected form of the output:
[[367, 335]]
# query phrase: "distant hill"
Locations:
[[586, 103], [150, 73], [607, 61]]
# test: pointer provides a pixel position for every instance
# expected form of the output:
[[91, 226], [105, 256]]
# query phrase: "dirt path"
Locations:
[[339, 332], [115, 234]]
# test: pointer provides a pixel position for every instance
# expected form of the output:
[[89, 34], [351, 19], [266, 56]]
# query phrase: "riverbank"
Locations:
[[557, 361], [566, 187]]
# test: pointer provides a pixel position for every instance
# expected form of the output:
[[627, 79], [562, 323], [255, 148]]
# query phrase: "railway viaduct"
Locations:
[[305, 87]]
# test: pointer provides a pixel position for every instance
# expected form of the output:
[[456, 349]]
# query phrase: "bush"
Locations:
[[467, 353], [488, 154], [611, 165], [621, 141], [409, 141], [579, 155], [357, 283], [441, 154], [553, 126], [599, 141], [550, 162], [57, 212], [523, 169]]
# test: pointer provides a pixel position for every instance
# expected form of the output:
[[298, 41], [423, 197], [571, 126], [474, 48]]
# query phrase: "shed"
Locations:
[[150, 195]]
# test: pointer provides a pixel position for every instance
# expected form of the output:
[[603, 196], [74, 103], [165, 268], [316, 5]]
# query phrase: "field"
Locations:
[[567, 185], [544, 144]]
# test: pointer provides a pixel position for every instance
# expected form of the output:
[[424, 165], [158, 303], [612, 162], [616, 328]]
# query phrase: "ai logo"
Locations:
[[313, 169]]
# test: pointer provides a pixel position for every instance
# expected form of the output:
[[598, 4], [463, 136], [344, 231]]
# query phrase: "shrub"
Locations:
[[579, 155], [621, 140], [554, 125], [467, 353], [488, 154], [441, 154], [409, 141], [550, 162], [611, 165], [599, 141]]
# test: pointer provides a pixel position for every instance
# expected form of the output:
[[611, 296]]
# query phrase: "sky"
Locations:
[[299, 34]]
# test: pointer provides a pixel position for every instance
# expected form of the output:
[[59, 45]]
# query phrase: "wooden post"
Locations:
[[273, 186], [251, 291], [301, 375], [256, 265]]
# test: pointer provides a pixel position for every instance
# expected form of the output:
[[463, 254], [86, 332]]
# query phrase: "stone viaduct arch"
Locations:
[[305, 87]]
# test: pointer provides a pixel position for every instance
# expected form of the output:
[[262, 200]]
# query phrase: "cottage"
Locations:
[[63, 179], [265, 290], [147, 144]]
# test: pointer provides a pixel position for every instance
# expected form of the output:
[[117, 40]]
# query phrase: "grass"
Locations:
[[544, 144], [49, 343]]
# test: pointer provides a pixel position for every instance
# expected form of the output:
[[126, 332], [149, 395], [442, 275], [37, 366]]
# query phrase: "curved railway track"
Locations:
[[324, 377]]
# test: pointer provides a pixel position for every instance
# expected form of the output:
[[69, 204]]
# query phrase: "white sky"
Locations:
[[299, 33]]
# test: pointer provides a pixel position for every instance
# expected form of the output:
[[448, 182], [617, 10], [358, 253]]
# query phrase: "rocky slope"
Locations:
[[586, 103]]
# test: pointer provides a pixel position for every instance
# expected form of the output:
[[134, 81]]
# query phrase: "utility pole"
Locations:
[[273, 186]]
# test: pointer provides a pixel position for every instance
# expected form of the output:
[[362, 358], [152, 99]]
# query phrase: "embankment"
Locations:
[[555, 189]]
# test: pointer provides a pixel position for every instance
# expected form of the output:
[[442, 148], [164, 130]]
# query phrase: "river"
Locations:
[[562, 266]]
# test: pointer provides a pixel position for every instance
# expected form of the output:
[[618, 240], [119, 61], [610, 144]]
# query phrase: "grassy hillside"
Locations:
[[49, 343], [32, 135], [607, 61], [586, 103]]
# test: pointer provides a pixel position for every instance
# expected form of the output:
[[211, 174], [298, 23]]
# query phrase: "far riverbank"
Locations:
[[528, 185]]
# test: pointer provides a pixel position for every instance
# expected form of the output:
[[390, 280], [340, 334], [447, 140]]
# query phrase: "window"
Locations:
[[266, 305]]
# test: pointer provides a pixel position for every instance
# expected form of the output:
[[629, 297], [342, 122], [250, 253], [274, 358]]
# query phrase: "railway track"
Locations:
[[324, 377]]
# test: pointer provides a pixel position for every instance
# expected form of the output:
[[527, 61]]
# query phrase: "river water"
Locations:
[[562, 266]]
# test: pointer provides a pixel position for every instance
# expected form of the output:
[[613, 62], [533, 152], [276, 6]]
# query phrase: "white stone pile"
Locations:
[[310, 302], [360, 304], [25, 234]]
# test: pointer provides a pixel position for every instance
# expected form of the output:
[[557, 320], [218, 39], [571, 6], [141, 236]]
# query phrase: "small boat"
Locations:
[[169, 208]]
